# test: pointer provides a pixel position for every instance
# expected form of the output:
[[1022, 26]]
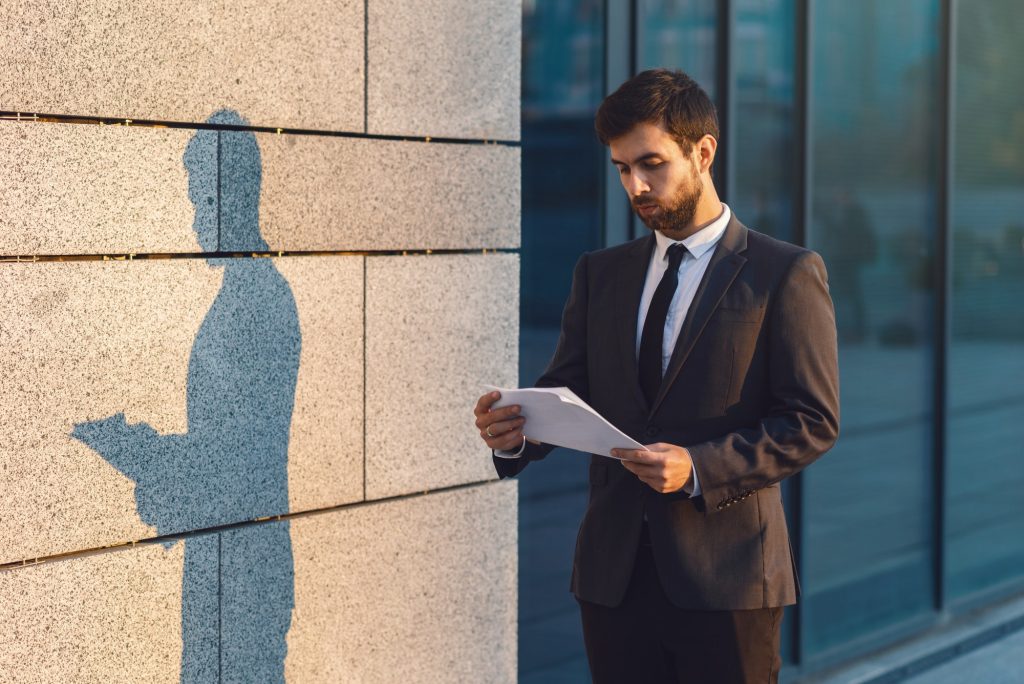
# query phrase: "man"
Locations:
[[716, 346]]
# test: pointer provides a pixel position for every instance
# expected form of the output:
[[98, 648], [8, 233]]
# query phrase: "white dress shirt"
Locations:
[[700, 245]]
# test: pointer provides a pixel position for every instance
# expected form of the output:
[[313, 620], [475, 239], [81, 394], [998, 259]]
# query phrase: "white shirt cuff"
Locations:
[[696, 483], [511, 454]]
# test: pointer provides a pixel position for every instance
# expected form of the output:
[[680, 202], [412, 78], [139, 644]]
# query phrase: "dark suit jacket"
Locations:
[[752, 390]]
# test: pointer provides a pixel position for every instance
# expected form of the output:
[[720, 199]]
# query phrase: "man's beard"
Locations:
[[678, 213]]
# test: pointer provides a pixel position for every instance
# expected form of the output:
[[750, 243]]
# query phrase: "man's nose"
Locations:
[[636, 185]]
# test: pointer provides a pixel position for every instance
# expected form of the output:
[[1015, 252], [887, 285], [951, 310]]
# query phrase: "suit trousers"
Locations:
[[647, 640]]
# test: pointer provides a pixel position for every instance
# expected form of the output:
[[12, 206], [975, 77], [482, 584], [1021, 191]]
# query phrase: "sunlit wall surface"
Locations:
[[985, 432], [240, 245]]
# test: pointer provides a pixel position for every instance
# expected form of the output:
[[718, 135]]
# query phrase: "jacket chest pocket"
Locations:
[[721, 356]]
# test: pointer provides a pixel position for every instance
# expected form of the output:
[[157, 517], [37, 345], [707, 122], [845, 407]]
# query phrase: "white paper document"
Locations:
[[555, 415]]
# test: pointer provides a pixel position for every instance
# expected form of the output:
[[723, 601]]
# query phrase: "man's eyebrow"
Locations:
[[649, 155]]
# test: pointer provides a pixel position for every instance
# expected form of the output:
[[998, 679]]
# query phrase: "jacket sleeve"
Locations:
[[567, 368], [802, 419]]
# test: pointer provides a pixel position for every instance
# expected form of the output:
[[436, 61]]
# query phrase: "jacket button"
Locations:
[[652, 430]]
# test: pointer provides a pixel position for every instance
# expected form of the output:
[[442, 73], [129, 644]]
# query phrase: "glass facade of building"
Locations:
[[873, 217], [563, 172], [888, 135], [984, 512]]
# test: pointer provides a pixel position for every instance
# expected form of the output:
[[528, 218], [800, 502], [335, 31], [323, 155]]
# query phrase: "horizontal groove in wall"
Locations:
[[16, 565], [34, 258], [148, 123]]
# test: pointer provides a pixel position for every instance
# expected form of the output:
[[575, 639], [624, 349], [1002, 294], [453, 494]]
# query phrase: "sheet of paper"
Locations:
[[555, 415]]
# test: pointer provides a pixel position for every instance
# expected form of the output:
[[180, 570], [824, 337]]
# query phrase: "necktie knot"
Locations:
[[676, 252]]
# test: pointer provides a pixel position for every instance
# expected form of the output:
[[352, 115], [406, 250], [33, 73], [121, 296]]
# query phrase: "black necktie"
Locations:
[[651, 340]]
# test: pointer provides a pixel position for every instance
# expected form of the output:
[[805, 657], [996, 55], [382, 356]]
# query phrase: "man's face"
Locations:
[[662, 181]]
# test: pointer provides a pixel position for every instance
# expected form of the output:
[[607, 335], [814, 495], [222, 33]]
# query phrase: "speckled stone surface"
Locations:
[[329, 193], [82, 341], [421, 589], [122, 615], [444, 68], [257, 595], [278, 63], [325, 453], [153, 397], [77, 189], [438, 328]]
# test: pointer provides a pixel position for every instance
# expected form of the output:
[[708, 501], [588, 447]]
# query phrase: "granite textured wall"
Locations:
[[247, 300]]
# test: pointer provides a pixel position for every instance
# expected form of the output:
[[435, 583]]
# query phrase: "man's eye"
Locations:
[[623, 170], [652, 164]]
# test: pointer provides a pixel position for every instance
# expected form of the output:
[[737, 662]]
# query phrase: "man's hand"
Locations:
[[501, 429], [664, 467]]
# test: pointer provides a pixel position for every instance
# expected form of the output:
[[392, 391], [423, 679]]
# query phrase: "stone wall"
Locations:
[[258, 259]]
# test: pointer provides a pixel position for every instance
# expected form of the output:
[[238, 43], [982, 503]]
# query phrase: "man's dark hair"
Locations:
[[658, 96]]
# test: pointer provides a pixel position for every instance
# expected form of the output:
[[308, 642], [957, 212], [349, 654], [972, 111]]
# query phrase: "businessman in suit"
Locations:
[[715, 346]]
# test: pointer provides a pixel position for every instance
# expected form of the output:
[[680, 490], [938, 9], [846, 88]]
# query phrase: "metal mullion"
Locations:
[[802, 205], [724, 85], [943, 285], [619, 65]]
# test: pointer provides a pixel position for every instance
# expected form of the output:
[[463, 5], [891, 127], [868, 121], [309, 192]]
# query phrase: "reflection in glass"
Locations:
[[763, 136], [874, 92], [679, 34], [563, 167], [563, 66], [985, 431], [763, 133]]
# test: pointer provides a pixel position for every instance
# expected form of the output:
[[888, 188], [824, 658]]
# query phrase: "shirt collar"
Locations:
[[701, 241]]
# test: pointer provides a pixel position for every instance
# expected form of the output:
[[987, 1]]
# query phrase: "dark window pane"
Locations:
[[985, 431], [868, 508], [563, 166], [679, 34], [763, 133], [763, 137], [563, 64]]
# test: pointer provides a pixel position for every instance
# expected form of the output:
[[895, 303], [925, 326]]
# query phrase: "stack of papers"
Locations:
[[555, 415]]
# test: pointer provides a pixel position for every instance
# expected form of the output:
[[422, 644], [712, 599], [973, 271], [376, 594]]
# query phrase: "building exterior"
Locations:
[[888, 136], [258, 259]]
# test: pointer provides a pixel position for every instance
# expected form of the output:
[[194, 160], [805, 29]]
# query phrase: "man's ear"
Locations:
[[706, 148]]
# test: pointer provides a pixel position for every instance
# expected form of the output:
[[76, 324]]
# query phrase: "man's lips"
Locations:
[[646, 209]]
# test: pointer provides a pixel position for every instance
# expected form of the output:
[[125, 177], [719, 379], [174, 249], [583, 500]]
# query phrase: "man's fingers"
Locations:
[[492, 430], [496, 416], [640, 469], [483, 404], [509, 441], [637, 455]]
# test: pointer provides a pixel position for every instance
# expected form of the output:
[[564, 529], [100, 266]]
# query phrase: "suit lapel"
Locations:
[[725, 265], [629, 289]]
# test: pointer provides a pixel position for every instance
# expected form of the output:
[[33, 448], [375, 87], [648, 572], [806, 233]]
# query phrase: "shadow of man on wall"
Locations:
[[232, 464]]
